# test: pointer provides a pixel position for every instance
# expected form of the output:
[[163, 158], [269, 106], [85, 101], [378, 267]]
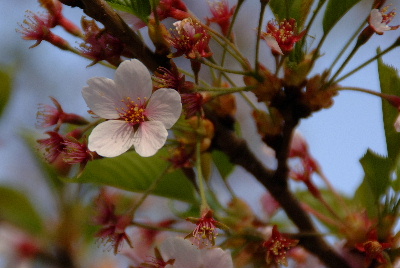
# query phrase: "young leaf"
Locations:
[[296, 9], [377, 173], [17, 209], [390, 84], [139, 8], [365, 197], [6, 80], [221, 161], [335, 10], [134, 173]]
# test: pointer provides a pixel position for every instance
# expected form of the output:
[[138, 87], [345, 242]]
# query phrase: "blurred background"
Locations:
[[338, 137]]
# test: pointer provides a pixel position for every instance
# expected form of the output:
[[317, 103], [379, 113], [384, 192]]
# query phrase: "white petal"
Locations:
[[273, 44], [101, 97], [149, 138], [185, 254], [164, 106], [375, 20], [216, 257], [397, 124], [111, 138], [133, 80]]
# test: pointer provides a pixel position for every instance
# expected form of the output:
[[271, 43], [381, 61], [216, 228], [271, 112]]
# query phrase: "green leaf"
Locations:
[[396, 180], [390, 84], [377, 173], [17, 209], [221, 161], [365, 197], [134, 173], [335, 10], [6, 82], [296, 9], [139, 8]]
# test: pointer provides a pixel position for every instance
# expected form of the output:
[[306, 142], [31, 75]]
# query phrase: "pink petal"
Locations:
[[164, 106], [216, 257], [273, 44], [185, 254], [375, 20], [149, 138], [133, 80], [101, 97], [111, 138], [397, 124]]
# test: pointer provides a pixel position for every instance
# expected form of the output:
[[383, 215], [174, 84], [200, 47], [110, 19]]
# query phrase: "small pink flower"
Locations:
[[207, 228], [37, 28], [281, 37], [113, 225], [192, 103], [134, 115], [165, 78], [52, 147], [54, 7], [222, 14], [100, 45], [48, 116], [379, 20], [277, 247], [190, 39], [373, 248]]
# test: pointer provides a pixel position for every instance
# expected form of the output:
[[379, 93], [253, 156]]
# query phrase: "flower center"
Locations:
[[133, 113]]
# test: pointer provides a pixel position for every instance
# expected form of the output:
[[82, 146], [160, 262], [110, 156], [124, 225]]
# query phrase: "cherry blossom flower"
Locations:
[[187, 255], [277, 247], [206, 230], [48, 116], [134, 115], [100, 45], [379, 20], [222, 14], [37, 28], [52, 147], [54, 7], [190, 39], [281, 37], [113, 225], [373, 248]]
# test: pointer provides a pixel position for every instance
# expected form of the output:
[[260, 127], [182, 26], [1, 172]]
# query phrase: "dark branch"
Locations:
[[240, 154], [102, 12]]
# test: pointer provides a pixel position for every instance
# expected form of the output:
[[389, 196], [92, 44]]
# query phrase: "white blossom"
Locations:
[[135, 116]]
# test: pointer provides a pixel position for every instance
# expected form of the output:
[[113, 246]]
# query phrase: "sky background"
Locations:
[[338, 137]]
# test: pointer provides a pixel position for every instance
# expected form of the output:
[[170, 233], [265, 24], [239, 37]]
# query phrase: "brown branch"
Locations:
[[102, 12], [240, 154]]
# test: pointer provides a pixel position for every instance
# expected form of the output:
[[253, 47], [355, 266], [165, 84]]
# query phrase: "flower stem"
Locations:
[[204, 203], [394, 45], [260, 21]]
